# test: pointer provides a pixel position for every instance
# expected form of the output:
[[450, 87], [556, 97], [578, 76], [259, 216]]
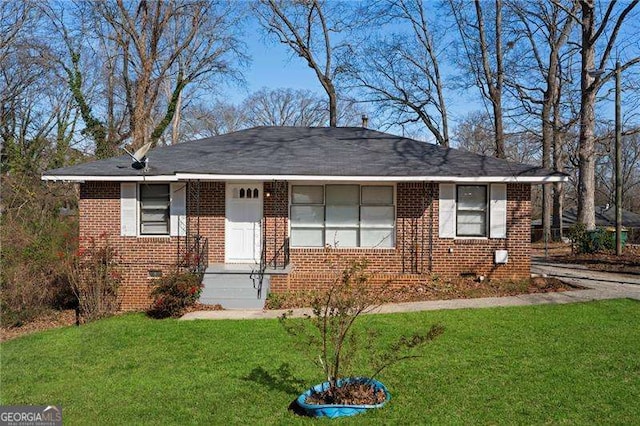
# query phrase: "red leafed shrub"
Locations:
[[173, 293]]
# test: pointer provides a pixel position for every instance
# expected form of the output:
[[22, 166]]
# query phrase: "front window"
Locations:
[[471, 215], [154, 209], [342, 215]]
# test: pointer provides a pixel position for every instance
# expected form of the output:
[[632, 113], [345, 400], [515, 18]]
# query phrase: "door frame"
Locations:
[[229, 186]]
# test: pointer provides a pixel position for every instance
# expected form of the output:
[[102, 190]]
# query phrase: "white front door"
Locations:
[[243, 222]]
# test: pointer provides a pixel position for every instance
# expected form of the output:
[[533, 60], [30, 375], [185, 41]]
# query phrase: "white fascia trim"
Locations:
[[307, 178], [165, 178]]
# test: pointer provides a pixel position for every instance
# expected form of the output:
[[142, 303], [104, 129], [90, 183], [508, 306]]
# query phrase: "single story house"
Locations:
[[605, 218], [263, 206]]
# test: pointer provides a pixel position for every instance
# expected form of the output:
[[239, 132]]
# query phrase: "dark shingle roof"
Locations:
[[605, 216], [309, 151]]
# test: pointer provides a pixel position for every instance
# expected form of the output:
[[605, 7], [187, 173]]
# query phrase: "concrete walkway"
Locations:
[[599, 286]]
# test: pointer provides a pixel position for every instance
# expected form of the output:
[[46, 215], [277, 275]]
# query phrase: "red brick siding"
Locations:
[[408, 262], [99, 208], [476, 255], [276, 223], [416, 226], [212, 215]]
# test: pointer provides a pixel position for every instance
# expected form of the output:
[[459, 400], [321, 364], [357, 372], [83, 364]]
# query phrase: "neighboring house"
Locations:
[[605, 217], [268, 200]]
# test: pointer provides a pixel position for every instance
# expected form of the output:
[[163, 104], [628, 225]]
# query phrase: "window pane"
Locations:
[[342, 215], [343, 195], [381, 216], [307, 215], [307, 237], [471, 223], [153, 215], [342, 237], [155, 203], [154, 191], [376, 237], [154, 228], [472, 197], [154, 209], [377, 195], [301, 194]]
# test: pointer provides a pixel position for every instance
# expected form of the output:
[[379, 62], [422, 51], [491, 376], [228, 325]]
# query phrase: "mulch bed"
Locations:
[[460, 288], [627, 263], [348, 394], [468, 288], [51, 319], [201, 307]]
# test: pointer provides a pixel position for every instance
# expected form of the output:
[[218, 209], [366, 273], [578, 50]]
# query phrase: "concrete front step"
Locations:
[[230, 281], [232, 286]]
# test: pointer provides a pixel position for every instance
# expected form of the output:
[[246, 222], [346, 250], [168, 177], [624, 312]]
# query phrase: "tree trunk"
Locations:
[[558, 166], [175, 130], [547, 137], [499, 127], [586, 151], [333, 104], [497, 95]]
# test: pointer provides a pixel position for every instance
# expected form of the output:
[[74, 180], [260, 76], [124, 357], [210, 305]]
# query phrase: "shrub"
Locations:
[[173, 293], [35, 238], [95, 277], [584, 241], [330, 334]]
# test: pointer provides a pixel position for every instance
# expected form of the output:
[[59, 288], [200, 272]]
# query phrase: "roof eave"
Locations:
[[307, 178]]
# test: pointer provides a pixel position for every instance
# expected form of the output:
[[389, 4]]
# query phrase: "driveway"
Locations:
[[601, 285]]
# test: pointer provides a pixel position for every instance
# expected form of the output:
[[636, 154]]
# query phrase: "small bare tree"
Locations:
[[331, 329]]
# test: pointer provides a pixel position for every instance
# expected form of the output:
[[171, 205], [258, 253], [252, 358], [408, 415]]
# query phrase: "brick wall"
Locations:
[[276, 220], [417, 230], [99, 209], [475, 256], [409, 262]]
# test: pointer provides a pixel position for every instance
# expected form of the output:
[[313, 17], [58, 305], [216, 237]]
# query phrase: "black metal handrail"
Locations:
[[195, 257], [257, 276], [283, 252]]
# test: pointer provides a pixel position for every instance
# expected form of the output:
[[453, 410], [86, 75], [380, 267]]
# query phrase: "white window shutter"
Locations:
[[498, 211], [447, 211], [178, 209], [128, 209]]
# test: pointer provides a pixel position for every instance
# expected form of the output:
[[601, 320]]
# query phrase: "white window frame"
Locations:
[[393, 186], [139, 212], [487, 213]]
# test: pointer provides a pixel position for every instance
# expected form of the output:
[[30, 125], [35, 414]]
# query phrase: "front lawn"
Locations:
[[577, 364]]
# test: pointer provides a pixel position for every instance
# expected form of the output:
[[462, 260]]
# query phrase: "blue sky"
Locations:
[[273, 66]]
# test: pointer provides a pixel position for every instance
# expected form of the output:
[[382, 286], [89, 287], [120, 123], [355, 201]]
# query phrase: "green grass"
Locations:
[[574, 364]]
